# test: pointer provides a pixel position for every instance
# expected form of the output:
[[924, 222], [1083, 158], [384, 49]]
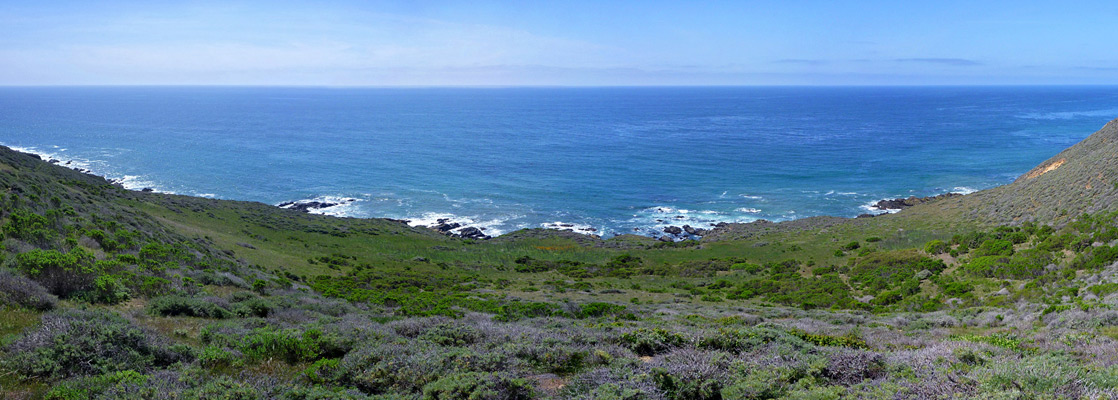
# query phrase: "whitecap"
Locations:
[[963, 190], [872, 209], [344, 206], [570, 226]]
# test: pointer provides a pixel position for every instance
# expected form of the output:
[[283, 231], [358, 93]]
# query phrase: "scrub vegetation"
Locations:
[[113, 294]]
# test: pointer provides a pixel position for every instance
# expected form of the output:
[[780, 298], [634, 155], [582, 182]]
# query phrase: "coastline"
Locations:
[[468, 228]]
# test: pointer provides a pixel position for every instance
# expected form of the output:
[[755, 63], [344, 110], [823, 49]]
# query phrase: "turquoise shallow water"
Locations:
[[616, 160]]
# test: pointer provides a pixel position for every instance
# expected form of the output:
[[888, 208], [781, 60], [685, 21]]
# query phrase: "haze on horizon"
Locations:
[[570, 43]]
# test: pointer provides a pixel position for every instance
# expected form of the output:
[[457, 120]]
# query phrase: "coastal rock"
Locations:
[[674, 230], [694, 231], [444, 225], [472, 233], [897, 204], [665, 238], [305, 206], [147, 190], [866, 215]]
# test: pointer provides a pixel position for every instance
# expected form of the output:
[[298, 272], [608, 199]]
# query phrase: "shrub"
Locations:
[[64, 274], [79, 342], [649, 342], [850, 340], [28, 226], [216, 356], [849, 367], [291, 345], [108, 289], [477, 386], [691, 375], [253, 307], [1022, 265], [17, 290], [935, 247], [887, 269], [994, 247], [452, 335]]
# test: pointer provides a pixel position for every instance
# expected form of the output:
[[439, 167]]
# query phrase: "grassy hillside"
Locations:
[[109, 293]]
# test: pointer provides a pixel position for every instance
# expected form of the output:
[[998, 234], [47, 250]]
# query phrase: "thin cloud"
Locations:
[[800, 61], [1089, 68], [958, 62]]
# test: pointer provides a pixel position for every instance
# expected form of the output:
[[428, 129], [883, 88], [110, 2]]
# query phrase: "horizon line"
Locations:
[[204, 85]]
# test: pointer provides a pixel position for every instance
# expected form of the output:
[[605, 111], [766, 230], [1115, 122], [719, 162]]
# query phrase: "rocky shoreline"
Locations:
[[667, 234], [902, 203]]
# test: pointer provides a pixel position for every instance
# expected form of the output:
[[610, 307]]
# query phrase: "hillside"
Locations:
[[107, 293], [1081, 179]]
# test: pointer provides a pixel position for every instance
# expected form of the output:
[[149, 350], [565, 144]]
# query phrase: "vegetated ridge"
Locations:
[[107, 293]]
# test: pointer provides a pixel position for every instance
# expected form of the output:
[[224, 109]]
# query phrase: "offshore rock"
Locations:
[[897, 204], [305, 206], [674, 230]]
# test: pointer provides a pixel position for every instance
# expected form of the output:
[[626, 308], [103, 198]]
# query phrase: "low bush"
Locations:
[[649, 342], [78, 342], [936, 247], [16, 290], [477, 386], [64, 274]]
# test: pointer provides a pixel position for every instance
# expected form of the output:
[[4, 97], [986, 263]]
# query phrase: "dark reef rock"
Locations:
[[444, 225], [472, 233], [147, 190], [674, 230], [897, 204], [665, 238], [307, 206], [866, 215], [694, 231]]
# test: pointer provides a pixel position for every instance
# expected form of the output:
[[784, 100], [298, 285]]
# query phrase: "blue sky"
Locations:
[[419, 43]]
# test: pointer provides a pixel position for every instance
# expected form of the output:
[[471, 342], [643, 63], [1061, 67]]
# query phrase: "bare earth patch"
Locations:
[[1049, 168]]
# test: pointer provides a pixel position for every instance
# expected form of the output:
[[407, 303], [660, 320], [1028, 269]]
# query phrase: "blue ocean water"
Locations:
[[616, 160]]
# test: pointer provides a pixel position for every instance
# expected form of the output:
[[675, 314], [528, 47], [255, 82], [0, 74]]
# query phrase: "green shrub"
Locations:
[[452, 335], [936, 247], [744, 340], [649, 342], [28, 226], [64, 274], [1022, 265], [217, 356], [478, 386], [994, 247], [292, 345], [108, 289], [884, 270]]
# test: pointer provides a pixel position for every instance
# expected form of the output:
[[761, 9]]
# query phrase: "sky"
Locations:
[[558, 43]]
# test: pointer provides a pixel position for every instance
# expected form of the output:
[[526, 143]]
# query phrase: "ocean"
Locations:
[[605, 161]]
